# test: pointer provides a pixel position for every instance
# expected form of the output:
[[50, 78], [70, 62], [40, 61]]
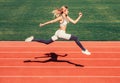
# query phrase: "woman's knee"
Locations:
[[49, 41]]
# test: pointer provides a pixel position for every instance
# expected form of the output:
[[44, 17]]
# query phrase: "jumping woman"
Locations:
[[62, 17]]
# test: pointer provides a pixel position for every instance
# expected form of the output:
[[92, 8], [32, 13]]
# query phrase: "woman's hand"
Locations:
[[41, 25], [80, 14]]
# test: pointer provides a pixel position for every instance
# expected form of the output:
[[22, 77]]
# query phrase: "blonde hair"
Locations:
[[58, 11]]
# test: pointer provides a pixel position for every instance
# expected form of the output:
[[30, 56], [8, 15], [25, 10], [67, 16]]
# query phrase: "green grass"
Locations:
[[20, 19]]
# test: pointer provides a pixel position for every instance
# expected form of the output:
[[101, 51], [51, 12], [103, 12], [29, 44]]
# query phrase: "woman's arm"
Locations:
[[50, 22], [42, 57], [63, 55], [75, 21]]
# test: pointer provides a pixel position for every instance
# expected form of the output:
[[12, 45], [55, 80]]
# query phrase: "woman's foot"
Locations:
[[29, 39], [86, 52]]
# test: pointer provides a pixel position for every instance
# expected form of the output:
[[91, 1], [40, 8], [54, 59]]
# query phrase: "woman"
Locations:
[[63, 18]]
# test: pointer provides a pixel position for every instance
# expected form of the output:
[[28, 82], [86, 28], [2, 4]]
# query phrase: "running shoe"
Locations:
[[86, 52], [29, 39]]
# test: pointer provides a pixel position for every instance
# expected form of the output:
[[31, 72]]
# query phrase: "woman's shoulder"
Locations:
[[59, 17]]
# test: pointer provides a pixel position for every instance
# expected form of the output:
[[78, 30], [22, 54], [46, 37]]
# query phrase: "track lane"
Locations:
[[79, 71], [103, 66], [85, 62], [60, 79], [69, 55]]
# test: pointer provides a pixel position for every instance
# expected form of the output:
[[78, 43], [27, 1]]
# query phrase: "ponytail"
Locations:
[[57, 12]]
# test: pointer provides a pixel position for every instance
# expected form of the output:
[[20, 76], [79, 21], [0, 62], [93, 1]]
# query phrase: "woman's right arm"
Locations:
[[50, 22], [75, 21]]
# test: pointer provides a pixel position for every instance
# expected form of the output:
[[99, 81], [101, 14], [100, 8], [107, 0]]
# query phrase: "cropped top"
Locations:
[[65, 22]]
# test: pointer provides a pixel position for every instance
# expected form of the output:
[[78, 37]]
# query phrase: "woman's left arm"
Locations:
[[50, 22], [75, 21]]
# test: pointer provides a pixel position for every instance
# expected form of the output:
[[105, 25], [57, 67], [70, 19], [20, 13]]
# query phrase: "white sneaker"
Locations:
[[86, 52], [29, 39]]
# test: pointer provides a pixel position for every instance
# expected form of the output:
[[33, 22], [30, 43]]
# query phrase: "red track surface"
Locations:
[[103, 66]]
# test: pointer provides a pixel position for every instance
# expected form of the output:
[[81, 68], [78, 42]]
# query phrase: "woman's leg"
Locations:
[[31, 38], [84, 51], [77, 42], [43, 41]]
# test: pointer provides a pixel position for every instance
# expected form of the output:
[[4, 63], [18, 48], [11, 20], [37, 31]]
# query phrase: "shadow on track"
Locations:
[[53, 58]]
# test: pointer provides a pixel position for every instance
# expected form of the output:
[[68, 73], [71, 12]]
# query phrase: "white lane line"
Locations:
[[59, 76], [113, 67], [101, 46], [63, 58], [56, 51]]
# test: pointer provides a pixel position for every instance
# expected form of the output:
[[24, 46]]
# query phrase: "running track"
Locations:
[[103, 66]]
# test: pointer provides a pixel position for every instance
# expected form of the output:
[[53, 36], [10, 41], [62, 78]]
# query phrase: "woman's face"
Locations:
[[65, 10]]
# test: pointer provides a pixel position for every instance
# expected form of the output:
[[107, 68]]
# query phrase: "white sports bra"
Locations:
[[65, 22]]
